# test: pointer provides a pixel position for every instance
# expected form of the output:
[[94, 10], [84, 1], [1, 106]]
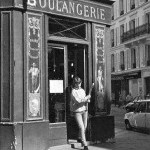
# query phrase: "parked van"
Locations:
[[140, 117]]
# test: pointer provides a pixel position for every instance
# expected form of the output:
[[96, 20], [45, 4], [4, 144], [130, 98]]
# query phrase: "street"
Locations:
[[124, 140]]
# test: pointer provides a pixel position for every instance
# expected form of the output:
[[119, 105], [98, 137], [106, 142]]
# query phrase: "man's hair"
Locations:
[[76, 80]]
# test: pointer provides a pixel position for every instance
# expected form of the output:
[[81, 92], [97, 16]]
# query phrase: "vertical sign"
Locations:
[[99, 36], [34, 40]]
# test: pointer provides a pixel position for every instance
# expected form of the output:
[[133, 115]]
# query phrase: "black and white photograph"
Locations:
[[74, 74]]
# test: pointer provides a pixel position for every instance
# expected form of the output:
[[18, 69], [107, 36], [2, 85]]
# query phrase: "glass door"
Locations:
[[57, 69]]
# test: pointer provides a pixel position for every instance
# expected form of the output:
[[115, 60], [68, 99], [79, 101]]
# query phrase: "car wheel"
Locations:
[[128, 126]]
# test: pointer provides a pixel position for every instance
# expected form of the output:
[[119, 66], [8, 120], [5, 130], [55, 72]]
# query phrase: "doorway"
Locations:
[[64, 62]]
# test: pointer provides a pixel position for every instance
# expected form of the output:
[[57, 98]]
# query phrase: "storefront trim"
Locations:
[[75, 9]]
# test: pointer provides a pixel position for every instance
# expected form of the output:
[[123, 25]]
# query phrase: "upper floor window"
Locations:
[[122, 66], [132, 4], [121, 32], [147, 54], [121, 7], [112, 63], [65, 27], [147, 18], [133, 58], [112, 37], [132, 24]]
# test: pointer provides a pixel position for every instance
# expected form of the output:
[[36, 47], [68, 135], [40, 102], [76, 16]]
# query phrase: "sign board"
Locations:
[[96, 12], [56, 86]]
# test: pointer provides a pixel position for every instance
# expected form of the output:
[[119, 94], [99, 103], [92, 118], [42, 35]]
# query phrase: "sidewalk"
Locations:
[[124, 140]]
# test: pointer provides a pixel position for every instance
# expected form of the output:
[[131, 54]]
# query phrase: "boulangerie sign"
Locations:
[[74, 8]]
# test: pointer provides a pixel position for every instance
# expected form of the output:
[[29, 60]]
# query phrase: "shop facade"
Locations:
[[44, 44]]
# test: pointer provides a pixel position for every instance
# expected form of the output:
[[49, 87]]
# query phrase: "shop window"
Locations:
[[133, 58], [66, 27], [132, 4], [121, 7], [112, 38], [121, 33], [122, 65], [112, 63], [147, 55]]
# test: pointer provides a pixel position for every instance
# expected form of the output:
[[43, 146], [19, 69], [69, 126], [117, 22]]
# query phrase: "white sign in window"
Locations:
[[56, 86]]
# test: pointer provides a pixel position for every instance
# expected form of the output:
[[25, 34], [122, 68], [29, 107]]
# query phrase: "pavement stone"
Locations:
[[124, 140]]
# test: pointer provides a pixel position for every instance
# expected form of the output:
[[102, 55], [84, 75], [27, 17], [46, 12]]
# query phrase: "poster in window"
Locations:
[[34, 59], [99, 36]]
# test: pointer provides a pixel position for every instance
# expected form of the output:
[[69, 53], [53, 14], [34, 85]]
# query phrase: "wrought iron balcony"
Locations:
[[138, 31]]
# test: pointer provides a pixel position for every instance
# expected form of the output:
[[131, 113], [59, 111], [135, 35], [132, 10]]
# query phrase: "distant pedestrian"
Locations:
[[120, 103], [129, 98]]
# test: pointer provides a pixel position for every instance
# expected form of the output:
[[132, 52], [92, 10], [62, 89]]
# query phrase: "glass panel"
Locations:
[[66, 27], [56, 84], [77, 66]]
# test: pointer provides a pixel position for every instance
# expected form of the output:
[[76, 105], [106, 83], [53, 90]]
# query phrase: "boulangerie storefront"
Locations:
[[44, 44]]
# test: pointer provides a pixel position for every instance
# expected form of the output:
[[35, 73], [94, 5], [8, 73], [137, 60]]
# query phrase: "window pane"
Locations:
[[66, 27]]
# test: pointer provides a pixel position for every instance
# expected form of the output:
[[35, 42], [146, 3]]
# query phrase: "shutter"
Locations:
[[142, 55], [143, 19], [136, 22], [136, 3], [124, 6], [118, 61], [137, 57], [115, 59], [114, 36], [146, 53], [125, 59], [128, 5], [118, 35], [129, 58]]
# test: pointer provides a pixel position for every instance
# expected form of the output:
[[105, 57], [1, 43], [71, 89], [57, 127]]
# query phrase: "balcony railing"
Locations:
[[141, 30]]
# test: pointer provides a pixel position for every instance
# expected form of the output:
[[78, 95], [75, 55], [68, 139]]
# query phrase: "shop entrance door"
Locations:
[[57, 73], [64, 62]]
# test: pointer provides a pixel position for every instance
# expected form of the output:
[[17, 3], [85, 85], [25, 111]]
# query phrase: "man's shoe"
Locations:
[[86, 148]]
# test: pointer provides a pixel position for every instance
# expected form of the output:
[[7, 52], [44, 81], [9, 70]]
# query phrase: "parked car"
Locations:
[[131, 105], [140, 117]]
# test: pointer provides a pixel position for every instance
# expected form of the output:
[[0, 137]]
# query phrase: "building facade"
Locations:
[[130, 48], [43, 45]]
